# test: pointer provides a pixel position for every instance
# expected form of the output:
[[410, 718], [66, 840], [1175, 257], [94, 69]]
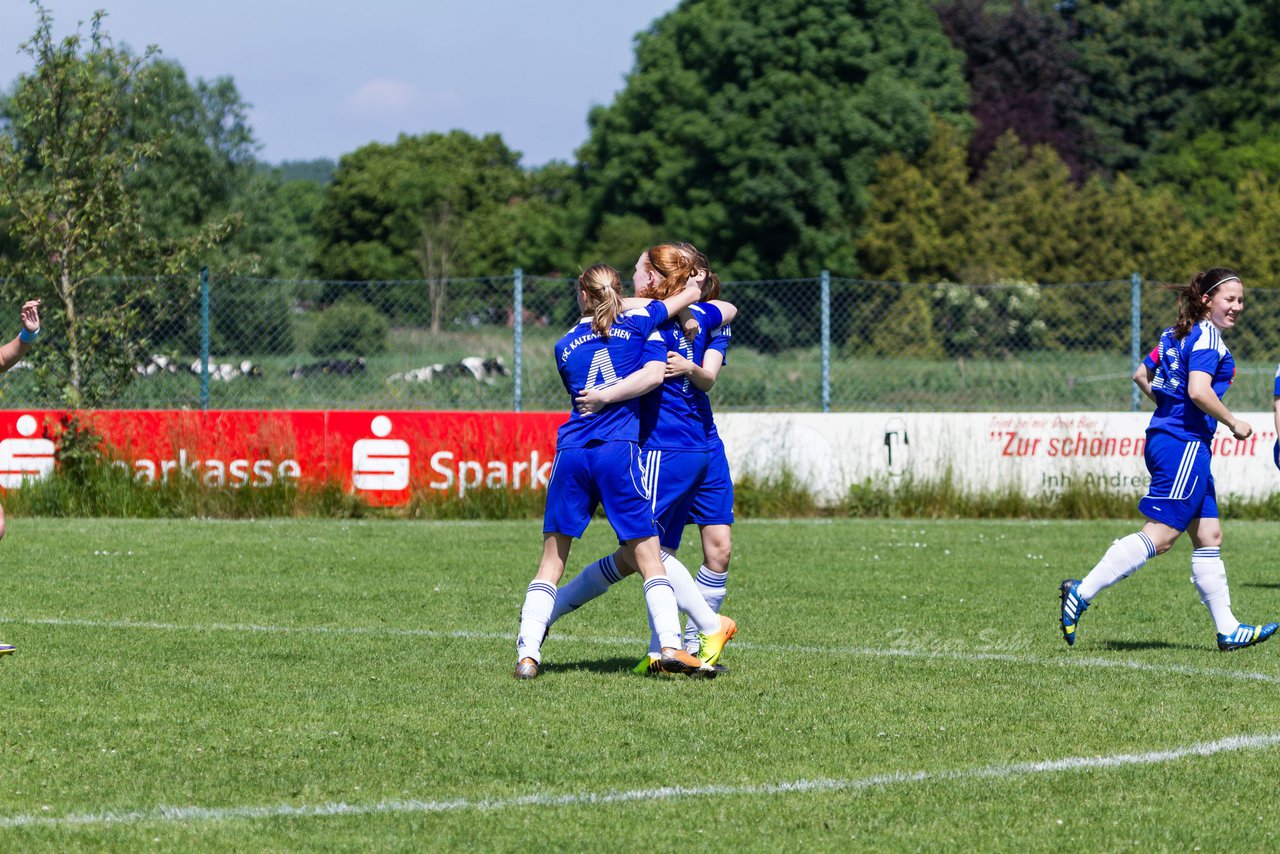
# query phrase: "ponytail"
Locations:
[[1192, 305], [674, 265], [603, 288]]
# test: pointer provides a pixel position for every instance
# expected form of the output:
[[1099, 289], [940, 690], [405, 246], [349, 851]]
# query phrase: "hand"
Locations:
[[678, 366], [31, 315], [1241, 429], [589, 402], [689, 326]]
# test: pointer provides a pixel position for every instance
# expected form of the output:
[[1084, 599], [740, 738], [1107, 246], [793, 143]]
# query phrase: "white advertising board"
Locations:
[[1037, 452]]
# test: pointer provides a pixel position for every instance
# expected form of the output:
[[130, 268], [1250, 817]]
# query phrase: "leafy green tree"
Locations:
[[923, 214], [68, 168], [431, 207], [752, 129], [1149, 64]]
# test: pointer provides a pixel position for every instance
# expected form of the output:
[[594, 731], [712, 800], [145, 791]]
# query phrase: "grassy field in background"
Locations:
[[346, 685], [754, 381]]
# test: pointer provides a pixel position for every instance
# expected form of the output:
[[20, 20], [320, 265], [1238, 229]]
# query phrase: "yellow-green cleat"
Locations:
[[711, 646]]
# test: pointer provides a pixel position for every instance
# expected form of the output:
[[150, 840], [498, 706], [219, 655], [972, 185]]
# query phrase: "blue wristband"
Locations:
[[28, 337]]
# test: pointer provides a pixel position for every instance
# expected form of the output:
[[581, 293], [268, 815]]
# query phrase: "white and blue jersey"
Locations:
[[677, 433], [1173, 360], [1180, 434], [713, 505], [597, 456], [674, 416], [586, 360]]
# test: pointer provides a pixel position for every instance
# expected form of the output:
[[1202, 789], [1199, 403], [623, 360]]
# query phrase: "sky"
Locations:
[[324, 77]]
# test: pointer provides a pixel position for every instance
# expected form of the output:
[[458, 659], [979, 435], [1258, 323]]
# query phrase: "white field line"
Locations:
[[193, 814], [1065, 660]]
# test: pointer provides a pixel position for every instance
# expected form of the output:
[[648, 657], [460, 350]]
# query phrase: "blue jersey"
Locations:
[[1173, 360], [670, 416], [586, 360], [719, 343]]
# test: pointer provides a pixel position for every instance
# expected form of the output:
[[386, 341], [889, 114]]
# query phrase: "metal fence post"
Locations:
[[826, 340], [1135, 331], [517, 334], [204, 338]]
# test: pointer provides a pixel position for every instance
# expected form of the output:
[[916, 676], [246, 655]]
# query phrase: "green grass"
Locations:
[[302, 663], [753, 381]]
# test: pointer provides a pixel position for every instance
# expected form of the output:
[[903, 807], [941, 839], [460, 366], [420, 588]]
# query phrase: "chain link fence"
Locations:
[[816, 344]]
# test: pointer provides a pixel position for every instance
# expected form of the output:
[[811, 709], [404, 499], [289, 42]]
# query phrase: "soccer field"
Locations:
[[339, 685]]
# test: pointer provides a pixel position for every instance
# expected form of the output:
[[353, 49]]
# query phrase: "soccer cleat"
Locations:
[[650, 665], [711, 646], [678, 661], [526, 668], [1072, 609], [6, 648], [1246, 635]]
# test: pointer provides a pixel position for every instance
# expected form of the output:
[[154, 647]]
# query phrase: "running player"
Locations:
[[1186, 376], [598, 461], [10, 355]]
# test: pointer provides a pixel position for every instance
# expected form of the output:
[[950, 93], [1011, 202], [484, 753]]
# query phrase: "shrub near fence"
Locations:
[[820, 344]]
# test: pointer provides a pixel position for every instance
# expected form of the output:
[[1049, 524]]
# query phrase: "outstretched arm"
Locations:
[[12, 353], [638, 382]]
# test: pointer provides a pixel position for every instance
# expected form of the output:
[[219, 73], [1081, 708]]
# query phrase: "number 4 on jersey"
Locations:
[[601, 372]]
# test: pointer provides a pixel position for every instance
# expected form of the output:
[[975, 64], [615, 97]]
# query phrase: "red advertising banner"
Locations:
[[383, 456]]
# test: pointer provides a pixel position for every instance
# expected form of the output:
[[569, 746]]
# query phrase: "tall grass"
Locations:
[[87, 485]]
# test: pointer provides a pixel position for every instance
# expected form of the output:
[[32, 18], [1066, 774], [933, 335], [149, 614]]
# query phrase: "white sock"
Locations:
[[689, 597], [711, 586], [593, 581], [1209, 575], [1125, 557], [660, 599], [539, 599]]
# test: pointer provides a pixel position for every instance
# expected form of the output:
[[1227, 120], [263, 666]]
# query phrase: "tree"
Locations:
[[66, 167], [433, 207], [752, 129], [1148, 64], [1022, 77]]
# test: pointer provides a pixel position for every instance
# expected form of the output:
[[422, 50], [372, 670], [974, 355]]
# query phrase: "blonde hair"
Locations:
[[603, 288], [674, 265]]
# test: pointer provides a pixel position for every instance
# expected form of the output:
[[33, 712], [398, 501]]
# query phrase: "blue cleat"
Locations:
[[6, 648], [1073, 607], [1246, 635]]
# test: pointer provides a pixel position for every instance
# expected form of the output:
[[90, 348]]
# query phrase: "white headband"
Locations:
[[1221, 281]]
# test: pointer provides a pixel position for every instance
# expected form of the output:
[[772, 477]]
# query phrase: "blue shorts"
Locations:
[[607, 473], [713, 505], [1275, 453], [1181, 482], [673, 479]]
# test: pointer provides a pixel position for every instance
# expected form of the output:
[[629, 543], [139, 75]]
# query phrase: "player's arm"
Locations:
[[12, 353], [721, 312], [1200, 390], [1142, 378], [639, 382], [702, 376]]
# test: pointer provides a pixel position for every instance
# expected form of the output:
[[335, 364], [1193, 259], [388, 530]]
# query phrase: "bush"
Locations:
[[351, 327]]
